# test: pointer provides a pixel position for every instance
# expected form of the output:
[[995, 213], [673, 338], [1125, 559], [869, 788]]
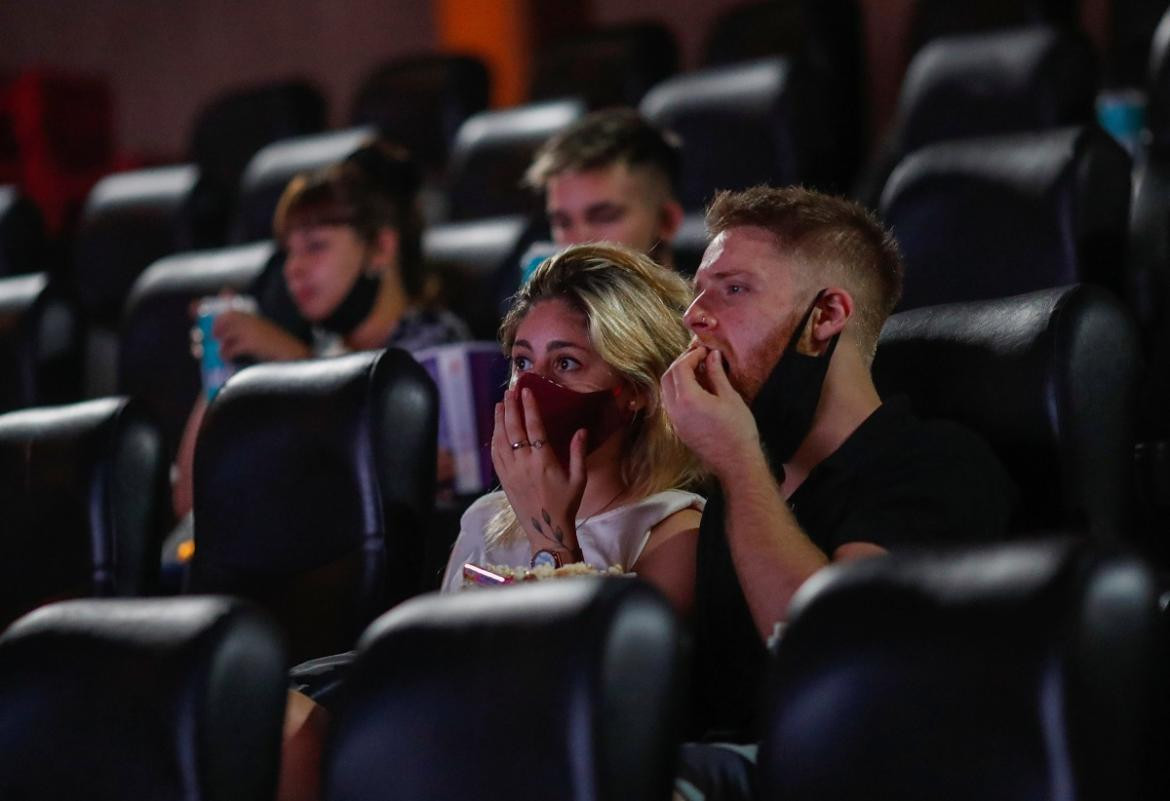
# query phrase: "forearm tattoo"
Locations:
[[557, 533]]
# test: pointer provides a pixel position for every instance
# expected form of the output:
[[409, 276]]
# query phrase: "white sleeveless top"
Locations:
[[614, 537]]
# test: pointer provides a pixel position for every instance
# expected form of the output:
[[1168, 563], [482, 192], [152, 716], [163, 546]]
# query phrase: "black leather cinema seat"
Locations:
[[479, 261], [22, 234], [158, 699], [314, 484], [155, 365], [827, 38], [931, 19], [83, 488], [1021, 79], [420, 102], [742, 125], [565, 689], [230, 129], [130, 220], [1024, 671], [40, 350], [997, 216], [613, 65], [273, 166], [491, 153], [1049, 379]]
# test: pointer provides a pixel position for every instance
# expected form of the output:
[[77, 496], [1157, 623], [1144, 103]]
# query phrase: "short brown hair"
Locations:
[[826, 234], [376, 186], [605, 138]]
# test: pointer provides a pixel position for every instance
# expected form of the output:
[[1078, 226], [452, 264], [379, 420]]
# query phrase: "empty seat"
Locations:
[[22, 234], [155, 365], [40, 349], [613, 65], [740, 126], [827, 37], [479, 263], [491, 153], [233, 126], [83, 489], [997, 216], [1023, 671], [930, 19], [130, 220], [149, 699], [1021, 79], [270, 170], [475, 675], [1049, 379], [314, 484], [420, 102]]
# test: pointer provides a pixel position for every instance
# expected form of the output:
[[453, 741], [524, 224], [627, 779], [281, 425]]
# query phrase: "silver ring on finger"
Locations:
[[521, 444], [537, 443]]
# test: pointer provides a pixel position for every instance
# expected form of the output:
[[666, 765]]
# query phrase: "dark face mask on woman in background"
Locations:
[[356, 305], [787, 401], [563, 411]]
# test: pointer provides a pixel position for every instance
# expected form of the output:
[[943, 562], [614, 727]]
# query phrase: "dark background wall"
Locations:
[[165, 59]]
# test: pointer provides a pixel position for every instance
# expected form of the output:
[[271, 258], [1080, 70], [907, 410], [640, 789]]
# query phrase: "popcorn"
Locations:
[[495, 575]]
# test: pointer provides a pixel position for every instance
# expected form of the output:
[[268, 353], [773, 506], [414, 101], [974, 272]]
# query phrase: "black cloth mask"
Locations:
[[787, 401], [355, 306]]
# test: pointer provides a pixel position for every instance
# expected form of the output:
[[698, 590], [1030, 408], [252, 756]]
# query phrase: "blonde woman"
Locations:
[[589, 466]]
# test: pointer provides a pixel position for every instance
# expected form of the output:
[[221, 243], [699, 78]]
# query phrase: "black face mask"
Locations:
[[788, 399], [355, 306]]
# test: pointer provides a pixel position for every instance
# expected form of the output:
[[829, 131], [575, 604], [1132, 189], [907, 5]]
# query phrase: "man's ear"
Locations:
[[672, 217], [832, 312], [385, 249]]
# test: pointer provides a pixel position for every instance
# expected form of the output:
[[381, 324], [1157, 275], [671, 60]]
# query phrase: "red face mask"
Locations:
[[563, 411]]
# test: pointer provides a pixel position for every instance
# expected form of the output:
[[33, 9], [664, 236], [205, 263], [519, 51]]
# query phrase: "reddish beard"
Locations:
[[759, 364]]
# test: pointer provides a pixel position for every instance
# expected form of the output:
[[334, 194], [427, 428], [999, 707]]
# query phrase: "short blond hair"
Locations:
[[826, 235], [633, 311]]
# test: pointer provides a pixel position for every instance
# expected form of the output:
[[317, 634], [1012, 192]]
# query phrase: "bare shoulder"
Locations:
[[676, 523]]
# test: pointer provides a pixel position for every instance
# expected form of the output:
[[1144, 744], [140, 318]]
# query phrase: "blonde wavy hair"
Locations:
[[633, 311]]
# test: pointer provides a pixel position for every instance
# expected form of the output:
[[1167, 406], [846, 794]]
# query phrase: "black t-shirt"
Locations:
[[896, 481]]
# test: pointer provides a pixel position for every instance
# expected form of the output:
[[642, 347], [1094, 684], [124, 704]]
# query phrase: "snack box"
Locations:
[[471, 377]]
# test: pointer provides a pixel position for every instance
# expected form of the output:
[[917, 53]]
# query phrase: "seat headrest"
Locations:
[[557, 689], [1028, 670], [160, 698], [612, 65], [130, 220], [421, 101], [997, 216], [22, 233], [84, 498], [493, 150], [316, 480], [1158, 87], [154, 348], [740, 125], [1019, 79], [1047, 378], [233, 126], [269, 171]]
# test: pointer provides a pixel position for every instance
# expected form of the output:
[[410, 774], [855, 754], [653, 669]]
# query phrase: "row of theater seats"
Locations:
[[741, 125], [1030, 671], [315, 482]]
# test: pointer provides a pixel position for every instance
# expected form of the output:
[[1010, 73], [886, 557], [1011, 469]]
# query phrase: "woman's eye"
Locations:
[[565, 363], [520, 364]]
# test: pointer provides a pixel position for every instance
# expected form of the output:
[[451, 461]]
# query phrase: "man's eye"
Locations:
[[608, 214]]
